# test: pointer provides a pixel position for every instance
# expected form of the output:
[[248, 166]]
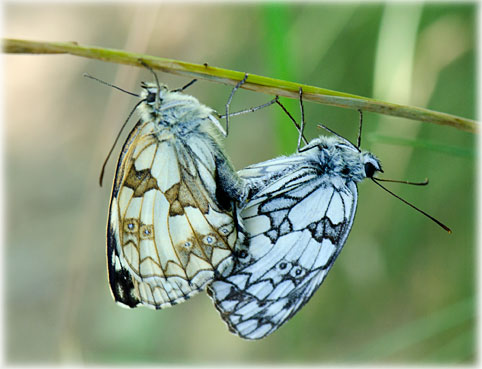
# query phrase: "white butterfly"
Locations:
[[297, 217], [171, 222]]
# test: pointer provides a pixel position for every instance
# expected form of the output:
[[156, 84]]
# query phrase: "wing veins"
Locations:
[[213, 228]]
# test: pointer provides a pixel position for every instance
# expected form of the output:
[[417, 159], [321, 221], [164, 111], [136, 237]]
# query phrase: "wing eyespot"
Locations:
[[131, 225], [209, 239], [284, 267], [147, 231], [242, 254], [297, 272]]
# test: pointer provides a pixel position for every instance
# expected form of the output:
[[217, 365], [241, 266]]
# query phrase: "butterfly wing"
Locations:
[[297, 225], [167, 231]]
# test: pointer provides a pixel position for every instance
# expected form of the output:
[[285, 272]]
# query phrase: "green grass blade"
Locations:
[[258, 83]]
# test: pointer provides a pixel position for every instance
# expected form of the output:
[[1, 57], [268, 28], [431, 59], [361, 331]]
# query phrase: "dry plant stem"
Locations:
[[255, 83]]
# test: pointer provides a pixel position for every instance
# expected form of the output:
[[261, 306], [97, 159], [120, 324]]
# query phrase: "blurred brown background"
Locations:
[[402, 291]]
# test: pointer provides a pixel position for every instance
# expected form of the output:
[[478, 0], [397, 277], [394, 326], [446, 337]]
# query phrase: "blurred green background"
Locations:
[[402, 290]]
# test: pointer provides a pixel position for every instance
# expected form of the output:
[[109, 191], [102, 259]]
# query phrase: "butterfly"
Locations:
[[297, 216], [171, 223]]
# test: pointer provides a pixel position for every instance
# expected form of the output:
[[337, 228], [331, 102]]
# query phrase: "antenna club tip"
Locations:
[[449, 231]]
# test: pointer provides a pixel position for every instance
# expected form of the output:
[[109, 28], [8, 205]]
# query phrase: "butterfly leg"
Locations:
[[249, 110], [358, 142], [298, 127], [253, 109], [239, 84], [302, 120]]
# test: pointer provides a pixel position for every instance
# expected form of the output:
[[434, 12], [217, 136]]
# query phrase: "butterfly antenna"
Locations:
[[238, 85], [358, 141], [414, 207], [158, 97], [424, 183], [101, 177], [110, 85]]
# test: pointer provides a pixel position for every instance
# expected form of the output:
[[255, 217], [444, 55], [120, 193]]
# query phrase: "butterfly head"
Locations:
[[357, 165], [371, 164], [171, 108], [153, 95]]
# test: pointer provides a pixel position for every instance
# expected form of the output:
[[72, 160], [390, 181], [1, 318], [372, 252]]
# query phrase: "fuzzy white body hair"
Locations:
[[180, 113]]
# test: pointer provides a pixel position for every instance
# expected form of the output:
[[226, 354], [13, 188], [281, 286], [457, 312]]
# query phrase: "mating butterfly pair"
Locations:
[[261, 240]]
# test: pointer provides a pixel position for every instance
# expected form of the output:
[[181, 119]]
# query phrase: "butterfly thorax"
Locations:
[[337, 158], [178, 113]]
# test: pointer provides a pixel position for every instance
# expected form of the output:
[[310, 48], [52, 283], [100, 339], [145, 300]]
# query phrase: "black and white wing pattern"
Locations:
[[297, 217], [171, 219]]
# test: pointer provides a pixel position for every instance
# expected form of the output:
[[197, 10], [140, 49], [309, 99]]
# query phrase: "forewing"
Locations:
[[262, 175], [296, 226], [167, 233]]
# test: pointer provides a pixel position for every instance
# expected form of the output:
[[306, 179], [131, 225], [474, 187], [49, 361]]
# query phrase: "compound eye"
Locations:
[[370, 170], [151, 97]]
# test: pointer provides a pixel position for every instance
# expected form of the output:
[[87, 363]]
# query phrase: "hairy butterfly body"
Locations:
[[171, 222], [297, 217]]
